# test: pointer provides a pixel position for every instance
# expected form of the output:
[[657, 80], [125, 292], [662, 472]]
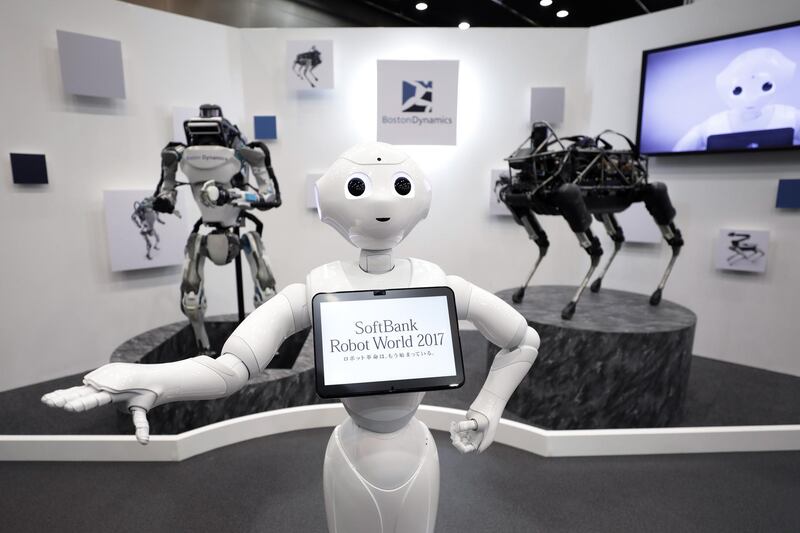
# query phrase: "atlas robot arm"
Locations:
[[268, 193], [166, 193], [519, 343], [141, 387]]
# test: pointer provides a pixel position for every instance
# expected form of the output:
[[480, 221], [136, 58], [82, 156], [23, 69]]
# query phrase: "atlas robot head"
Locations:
[[753, 78], [211, 128], [373, 195]]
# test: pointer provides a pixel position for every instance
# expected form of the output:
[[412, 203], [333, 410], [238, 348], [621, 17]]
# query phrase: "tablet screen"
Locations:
[[374, 342]]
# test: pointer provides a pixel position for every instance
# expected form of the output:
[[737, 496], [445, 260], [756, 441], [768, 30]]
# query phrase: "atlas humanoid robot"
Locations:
[[579, 177], [217, 159], [381, 470]]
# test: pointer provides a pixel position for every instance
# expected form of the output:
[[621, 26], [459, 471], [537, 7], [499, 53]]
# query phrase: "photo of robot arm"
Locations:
[[749, 85]]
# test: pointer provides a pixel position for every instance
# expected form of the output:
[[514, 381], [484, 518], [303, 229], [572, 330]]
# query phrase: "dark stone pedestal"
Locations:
[[288, 381], [619, 363]]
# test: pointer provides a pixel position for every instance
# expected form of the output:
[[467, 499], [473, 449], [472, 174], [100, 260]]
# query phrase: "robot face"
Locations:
[[373, 195], [753, 78]]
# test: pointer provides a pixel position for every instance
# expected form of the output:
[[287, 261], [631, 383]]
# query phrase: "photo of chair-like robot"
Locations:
[[579, 177], [218, 160]]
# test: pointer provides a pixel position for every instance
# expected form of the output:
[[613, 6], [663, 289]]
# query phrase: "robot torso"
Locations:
[[220, 164], [389, 412]]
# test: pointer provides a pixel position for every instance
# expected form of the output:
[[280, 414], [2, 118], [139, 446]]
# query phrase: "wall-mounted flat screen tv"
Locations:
[[734, 93]]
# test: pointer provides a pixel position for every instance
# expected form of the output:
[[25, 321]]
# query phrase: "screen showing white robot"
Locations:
[[732, 93], [365, 341]]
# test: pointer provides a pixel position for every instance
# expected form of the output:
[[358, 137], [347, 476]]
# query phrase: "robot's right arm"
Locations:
[[246, 353], [165, 194]]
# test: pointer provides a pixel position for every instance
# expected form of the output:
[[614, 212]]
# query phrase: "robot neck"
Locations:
[[376, 261]]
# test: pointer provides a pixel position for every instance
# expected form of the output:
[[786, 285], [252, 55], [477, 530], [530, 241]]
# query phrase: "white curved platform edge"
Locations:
[[531, 439]]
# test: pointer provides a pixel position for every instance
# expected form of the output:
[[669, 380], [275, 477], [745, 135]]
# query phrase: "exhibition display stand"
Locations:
[[618, 363]]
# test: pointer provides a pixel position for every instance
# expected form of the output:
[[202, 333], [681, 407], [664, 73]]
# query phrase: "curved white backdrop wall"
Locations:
[[63, 311]]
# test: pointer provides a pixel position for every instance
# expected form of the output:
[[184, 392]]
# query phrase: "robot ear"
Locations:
[[784, 67], [316, 199]]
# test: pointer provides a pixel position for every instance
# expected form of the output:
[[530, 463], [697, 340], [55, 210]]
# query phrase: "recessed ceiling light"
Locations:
[[463, 26], [422, 6], [563, 13], [545, 3]]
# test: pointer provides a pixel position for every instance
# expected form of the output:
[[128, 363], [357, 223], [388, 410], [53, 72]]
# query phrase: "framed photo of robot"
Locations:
[[309, 64], [744, 250], [496, 207], [139, 237]]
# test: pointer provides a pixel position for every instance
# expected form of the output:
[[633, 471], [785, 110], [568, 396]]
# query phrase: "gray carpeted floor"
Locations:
[[275, 484]]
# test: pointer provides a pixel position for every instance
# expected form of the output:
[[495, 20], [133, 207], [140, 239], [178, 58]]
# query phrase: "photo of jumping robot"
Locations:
[[305, 63], [743, 249], [579, 177], [217, 160], [145, 218]]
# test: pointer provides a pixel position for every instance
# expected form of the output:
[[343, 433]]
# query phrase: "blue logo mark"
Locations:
[[417, 96]]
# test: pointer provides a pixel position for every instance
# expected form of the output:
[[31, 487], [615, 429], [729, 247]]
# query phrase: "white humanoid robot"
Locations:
[[748, 85], [381, 470], [217, 160]]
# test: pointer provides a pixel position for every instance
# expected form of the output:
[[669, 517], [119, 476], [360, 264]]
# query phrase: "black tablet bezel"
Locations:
[[386, 387]]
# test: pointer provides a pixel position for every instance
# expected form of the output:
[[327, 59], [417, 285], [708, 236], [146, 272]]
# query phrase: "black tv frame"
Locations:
[[643, 76]]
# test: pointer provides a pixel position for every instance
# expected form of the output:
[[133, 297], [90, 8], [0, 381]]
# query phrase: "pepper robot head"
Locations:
[[373, 195], [753, 78]]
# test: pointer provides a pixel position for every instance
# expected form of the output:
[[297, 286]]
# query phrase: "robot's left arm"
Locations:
[[519, 344], [256, 154]]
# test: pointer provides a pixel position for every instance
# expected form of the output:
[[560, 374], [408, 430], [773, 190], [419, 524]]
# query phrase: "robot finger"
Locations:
[[89, 401], [464, 447], [141, 424], [467, 425], [60, 397]]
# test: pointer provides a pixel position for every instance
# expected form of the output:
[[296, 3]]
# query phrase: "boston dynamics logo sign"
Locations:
[[417, 97], [406, 114]]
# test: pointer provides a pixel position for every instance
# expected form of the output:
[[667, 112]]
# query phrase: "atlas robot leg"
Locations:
[[263, 280], [525, 217], [658, 204], [569, 200], [617, 236], [193, 298]]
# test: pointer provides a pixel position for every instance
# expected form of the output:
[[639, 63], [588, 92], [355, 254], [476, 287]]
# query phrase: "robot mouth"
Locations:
[[383, 219]]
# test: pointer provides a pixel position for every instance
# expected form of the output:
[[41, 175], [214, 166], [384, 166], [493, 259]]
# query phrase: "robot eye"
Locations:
[[358, 185], [737, 90], [403, 184], [766, 87]]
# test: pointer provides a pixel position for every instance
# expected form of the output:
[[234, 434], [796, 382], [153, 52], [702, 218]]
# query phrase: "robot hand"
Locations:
[[474, 433], [97, 390], [212, 195], [141, 387], [164, 203]]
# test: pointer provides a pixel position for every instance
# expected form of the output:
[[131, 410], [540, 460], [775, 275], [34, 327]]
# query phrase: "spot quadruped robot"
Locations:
[[217, 160], [579, 177], [381, 470]]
